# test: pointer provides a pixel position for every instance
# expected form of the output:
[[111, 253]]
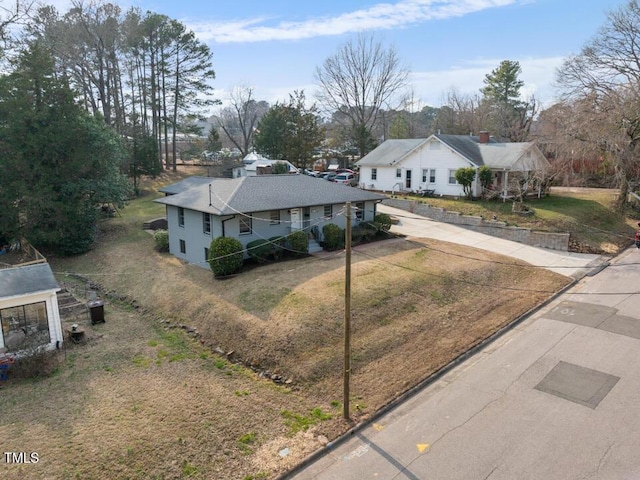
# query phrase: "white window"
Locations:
[[328, 211], [274, 215], [245, 225], [180, 217], [206, 223], [398, 173], [374, 174], [425, 174], [24, 323], [452, 177], [432, 175], [183, 246]]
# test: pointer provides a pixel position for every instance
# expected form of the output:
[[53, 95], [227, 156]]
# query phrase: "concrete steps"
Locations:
[[314, 247], [70, 308]]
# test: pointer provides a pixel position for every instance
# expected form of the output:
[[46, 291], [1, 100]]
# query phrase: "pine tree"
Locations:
[[58, 163]]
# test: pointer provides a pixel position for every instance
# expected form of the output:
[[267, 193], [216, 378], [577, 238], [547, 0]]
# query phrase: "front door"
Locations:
[[306, 222], [296, 221], [407, 180]]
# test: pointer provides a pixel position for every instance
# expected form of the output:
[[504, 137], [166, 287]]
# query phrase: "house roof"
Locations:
[[503, 155], [265, 192], [265, 162], [20, 281], [493, 154], [390, 152], [465, 145], [185, 184], [252, 157]]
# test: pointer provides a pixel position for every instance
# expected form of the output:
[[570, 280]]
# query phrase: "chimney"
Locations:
[[483, 136]]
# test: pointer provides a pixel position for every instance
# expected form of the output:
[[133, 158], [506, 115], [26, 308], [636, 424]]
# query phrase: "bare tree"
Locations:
[[357, 81], [12, 13], [240, 119], [605, 81], [463, 114]]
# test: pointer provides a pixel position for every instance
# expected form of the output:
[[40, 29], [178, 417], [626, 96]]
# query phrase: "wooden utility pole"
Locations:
[[347, 311]]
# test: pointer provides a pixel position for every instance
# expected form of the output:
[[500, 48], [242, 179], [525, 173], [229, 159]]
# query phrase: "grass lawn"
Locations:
[[589, 217], [142, 398]]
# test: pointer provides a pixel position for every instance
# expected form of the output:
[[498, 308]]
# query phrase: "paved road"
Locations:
[[566, 263], [557, 397]]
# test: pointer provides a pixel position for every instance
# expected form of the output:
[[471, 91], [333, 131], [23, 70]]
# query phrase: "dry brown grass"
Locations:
[[139, 401]]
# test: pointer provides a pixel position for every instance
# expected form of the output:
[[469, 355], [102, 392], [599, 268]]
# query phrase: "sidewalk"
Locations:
[[570, 264]]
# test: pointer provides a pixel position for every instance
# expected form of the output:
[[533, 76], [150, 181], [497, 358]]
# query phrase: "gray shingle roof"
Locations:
[[265, 192], [19, 281], [465, 145], [185, 184], [503, 155], [493, 154], [390, 152]]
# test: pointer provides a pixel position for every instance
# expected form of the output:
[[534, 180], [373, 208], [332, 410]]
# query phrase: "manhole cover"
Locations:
[[577, 384]]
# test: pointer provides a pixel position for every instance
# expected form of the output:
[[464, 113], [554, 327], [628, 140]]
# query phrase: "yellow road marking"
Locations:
[[422, 447]]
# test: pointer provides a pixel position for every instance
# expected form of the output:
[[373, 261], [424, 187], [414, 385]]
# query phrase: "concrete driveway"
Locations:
[[570, 264], [555, 398]]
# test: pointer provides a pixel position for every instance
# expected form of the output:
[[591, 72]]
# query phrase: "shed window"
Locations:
[[183, 246], [328, 211], [398, 173], [432, 175], [374, 174], [25, 326], [452, 177], [206, 223], [360, 211], [274, 215]]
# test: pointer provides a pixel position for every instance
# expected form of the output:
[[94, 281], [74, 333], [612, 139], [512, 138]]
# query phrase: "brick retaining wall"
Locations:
[[552, 241]]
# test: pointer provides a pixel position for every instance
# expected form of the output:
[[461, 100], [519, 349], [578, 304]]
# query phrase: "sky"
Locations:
[[275, 46]]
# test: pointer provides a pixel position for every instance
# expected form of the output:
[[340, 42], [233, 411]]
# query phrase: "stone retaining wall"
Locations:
[[552, 241]]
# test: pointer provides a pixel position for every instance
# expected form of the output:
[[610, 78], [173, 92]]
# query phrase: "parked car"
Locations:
[[328, 176], [346, 179]]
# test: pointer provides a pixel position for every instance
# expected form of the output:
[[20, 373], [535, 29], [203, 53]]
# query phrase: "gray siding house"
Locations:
[[200, 209]]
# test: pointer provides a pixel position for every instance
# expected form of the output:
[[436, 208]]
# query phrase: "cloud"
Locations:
[[380, 16], [537, 74]]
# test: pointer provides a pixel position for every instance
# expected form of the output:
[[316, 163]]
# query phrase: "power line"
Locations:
[[480, 284]]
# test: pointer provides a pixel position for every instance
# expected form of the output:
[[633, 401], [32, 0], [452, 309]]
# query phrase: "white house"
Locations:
[[430, 164], [253, 208], [29, 308], [255, 164]]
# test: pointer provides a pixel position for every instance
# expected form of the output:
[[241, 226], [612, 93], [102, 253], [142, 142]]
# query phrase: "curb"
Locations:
[[317, 455]]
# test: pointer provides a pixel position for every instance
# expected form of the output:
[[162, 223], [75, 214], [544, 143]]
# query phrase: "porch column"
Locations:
[[505, 189]]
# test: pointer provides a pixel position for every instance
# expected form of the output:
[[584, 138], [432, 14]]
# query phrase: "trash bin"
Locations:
[[96, 309]]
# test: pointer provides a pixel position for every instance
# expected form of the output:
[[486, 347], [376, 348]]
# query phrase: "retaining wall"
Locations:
[[552, 241]]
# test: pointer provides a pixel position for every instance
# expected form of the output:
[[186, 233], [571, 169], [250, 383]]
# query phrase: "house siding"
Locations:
[[442, 160], [261, 228]]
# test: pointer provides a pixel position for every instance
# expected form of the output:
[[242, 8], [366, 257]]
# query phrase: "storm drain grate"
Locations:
[[577, 384]]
